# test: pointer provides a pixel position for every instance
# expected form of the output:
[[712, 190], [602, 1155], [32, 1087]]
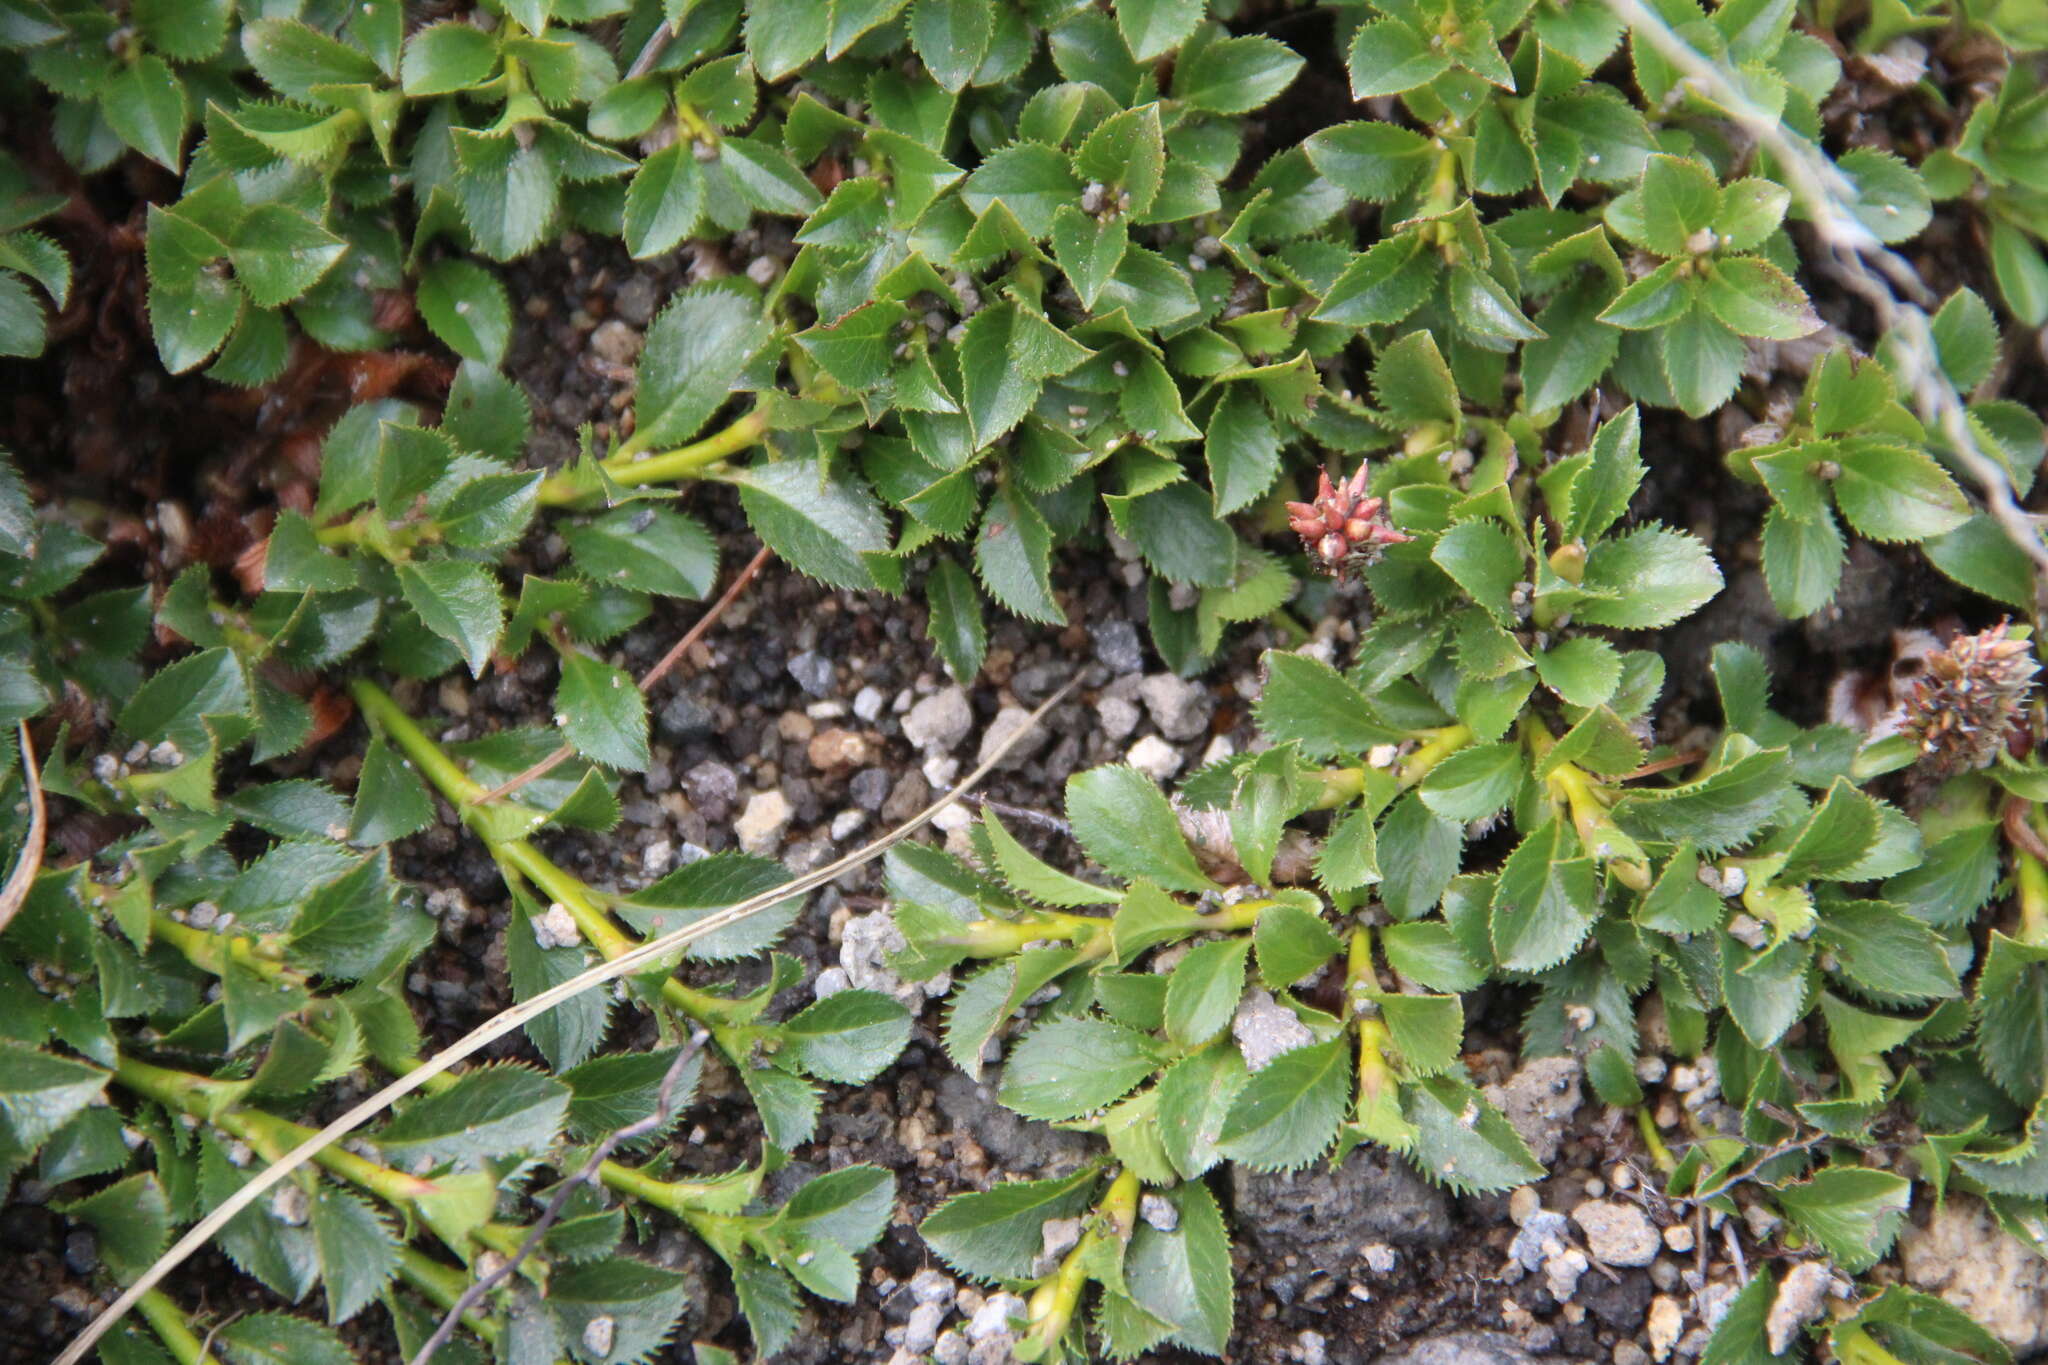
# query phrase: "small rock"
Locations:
[[1311, 1348], [760, 826], [615, 342], [869, 788], [1542, 1235], [684, 719], [813, 672], [1179, 707], [712, 788], [1667, 1321], [950, 1349], [869, 701], [921, 1333], [932, 1286], [1155, 758], [993, 1317], [1463, 1348], [1618, 1233], [939, 722], [1117, 716], [1539, 1100], [1561, 1273], [1319, 1217], [865, 943], [1117, 647], [1524, 1204], [1161, 1212], [1801, 1296], [1010, 723], [1264, 1028], [556, 928], [1380, 1258], [1057, 1237], [657, 857], [1679, 1237], [1964, 1256], [836, 750], [846, 822]]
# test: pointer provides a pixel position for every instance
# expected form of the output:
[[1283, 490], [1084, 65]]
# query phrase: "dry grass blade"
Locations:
[[492, 1030], [15, 892]]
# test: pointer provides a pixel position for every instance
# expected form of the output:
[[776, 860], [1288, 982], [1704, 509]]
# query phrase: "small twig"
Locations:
[[1684, 760], [1735, 1252], [647, 680], [2016, 829], [650, 51], [664, 1109], [15, 893], [517, 1016]]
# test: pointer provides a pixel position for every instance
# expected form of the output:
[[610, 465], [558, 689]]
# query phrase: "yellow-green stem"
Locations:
[[388, 716], [631, 466], [2030, 878], [1054, 1303], [1854, 1346], [167, 1320], [1653, 1141], [1440, 745]]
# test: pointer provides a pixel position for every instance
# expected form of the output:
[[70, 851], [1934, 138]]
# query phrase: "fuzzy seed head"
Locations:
[[1970, 699], [1343, 528]]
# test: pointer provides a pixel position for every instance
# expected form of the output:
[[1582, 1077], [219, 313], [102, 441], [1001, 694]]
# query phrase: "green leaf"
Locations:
[[1028, 876], [1013, 554], [443, 58], [1583, 671], [1178, 534], [646, 549], [1088, 250], [782, 35], [490, 1112], [1545, 901], [848, 1037], [1006, 355], [695, 352], [1413, 384], [1031, 179], [466, 307], [602, 712], [1966, 338], [1754, 298], [1475, 783], [1183, 1277], [1390, 58], [1242, 449], [822, 524], [1853, 1212], [1702, 360], [1719, 811], [955, 625], [144, 103], [459, 602], [2012, 1017], [997, 1234], [1309, 704], [1890, 493], [488, 512], [1980, 556], [279, 1339], [133, 1220], [951, 37], [1153, 28], [851, 1205], [619, 1089], [1888, 953], [663, 201], [1651, 577], [1802, 561], [1202, 995], [642, 1303], [1066, 1067], [1127, 825], [1418, 855], [1234, 75], [1291, 942], [184, 30], [1288, 1112], [391, 800], [358, 1253], [1462, 1141]]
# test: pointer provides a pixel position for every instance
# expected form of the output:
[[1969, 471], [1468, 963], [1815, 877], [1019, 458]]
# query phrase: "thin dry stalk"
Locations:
[[15, 893]]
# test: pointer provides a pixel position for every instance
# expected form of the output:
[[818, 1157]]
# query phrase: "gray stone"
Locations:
[[1618, 1233], [1179, 707], [869, 788], [712, 788], [760, 826], [1969, 1260], [813, 673], [1539, 1100], [1264, 1028], [1012, 1143], [1155, 758], [684, 719], [869, 701], [1012, 722], [635, 300], [1322, 1217], [921, 1333], [1117, 646], [939, 722], [1463, 1348]]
